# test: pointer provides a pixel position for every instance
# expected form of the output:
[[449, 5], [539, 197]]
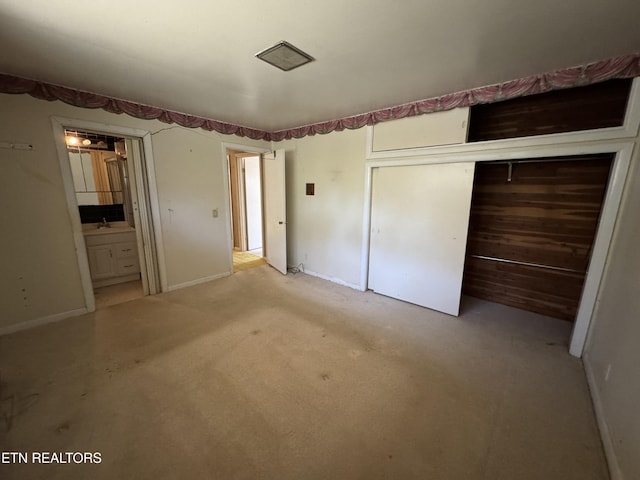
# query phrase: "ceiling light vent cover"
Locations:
[[285, 56]]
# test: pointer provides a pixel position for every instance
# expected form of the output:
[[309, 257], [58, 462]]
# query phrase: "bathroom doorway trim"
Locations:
[[147, 198]]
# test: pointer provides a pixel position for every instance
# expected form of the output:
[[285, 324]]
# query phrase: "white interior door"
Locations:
[[140, 202], [275, 215], [419, 222]]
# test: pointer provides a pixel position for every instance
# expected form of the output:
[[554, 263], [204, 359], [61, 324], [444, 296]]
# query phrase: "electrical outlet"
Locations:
[[214, 212]]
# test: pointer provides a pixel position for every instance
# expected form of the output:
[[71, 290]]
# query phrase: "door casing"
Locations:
[[227, 194]]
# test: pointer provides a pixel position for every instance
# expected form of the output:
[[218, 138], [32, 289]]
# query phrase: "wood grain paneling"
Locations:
[[594, 106], [543, 221], [549, 292]]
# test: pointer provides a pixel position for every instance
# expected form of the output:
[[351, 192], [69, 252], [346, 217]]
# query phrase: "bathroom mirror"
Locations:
[[98, 177]]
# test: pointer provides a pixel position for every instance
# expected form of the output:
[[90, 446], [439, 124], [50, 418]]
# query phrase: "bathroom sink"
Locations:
[[116, 227]]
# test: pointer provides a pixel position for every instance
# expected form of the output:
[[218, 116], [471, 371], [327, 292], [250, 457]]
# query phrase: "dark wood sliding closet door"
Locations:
[[530, 238]]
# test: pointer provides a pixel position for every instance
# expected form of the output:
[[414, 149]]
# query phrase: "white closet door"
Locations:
[[419, 222]]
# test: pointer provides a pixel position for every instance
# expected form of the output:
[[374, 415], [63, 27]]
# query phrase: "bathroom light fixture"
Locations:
[[71, 140], [285, 56], [89, 140]]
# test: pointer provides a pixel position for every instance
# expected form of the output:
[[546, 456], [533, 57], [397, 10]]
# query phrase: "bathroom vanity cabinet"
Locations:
[[113, 255]]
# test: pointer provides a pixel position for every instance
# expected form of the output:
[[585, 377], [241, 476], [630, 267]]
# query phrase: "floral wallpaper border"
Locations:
[[619, 67]]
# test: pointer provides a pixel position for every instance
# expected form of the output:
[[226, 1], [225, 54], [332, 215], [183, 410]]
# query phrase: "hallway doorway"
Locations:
[[245, 200], [247, 260]]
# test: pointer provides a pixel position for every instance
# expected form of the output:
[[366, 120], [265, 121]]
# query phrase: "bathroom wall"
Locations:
[[40, 280]]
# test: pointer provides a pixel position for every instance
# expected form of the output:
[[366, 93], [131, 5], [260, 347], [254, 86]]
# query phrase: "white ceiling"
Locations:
[[197, 56]]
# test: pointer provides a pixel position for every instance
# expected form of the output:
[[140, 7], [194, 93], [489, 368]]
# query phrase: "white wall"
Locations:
[[39, 277], [613, 341], [324, 231], [253, 200]]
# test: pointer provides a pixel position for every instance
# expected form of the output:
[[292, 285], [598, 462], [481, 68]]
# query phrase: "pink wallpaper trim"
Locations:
[[77, 98], [620, 67]]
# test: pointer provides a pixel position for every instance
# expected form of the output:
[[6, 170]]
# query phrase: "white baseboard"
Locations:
[[36, 322], [198, 281], [333, 280], [607, 442]]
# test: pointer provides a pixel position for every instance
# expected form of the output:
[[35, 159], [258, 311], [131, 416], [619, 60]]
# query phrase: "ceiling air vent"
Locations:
[[284, 56]]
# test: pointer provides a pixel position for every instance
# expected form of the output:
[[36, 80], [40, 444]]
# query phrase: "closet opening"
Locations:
[[531, 231]]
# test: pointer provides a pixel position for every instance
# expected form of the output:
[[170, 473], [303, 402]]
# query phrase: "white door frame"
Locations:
[[227, 199], [617, 140], [610, 206], [146, 204], [241, 211]]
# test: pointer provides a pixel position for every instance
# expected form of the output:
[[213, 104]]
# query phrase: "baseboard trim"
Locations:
[[36, 322], [333, 280], [197, 281], [605, 435]]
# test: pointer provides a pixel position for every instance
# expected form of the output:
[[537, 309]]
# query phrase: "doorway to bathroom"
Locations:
[[106, 176], [99, 167]]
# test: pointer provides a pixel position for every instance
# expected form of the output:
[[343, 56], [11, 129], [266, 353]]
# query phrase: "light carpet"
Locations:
[[262, 376]]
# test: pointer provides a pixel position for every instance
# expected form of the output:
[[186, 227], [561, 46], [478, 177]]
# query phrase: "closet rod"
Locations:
[[534, 160], [527, 264]]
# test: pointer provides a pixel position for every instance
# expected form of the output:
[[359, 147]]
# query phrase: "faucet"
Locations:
[[104, 223]]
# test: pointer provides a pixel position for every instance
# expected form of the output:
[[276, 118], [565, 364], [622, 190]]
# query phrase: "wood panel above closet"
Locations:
[[531, 231], [599, 105]]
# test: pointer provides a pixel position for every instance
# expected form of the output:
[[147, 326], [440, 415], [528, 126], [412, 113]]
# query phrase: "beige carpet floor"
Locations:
[[261, 376]]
